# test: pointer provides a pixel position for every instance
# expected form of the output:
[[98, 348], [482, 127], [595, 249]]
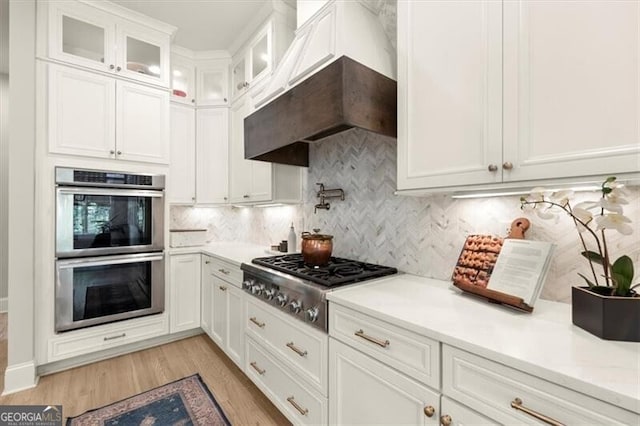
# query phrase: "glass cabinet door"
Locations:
[[260, 56], [213, 80], [239, 77], [182, 82], [143, 55]]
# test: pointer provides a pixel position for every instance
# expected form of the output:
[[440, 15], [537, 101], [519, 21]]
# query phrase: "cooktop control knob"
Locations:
[[257, 289], [246, 284], [311, 314], [268, 294], [281, 299], [295, 306]]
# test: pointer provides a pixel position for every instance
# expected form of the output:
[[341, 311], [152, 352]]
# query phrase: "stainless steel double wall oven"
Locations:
[[109, 246]]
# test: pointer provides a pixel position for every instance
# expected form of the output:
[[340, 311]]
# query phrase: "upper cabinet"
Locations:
[[213, 82], [253, 62], [90, 36], [495, 92], [183, 80]]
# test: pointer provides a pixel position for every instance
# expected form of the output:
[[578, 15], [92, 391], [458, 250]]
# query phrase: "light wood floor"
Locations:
[[95, 385]]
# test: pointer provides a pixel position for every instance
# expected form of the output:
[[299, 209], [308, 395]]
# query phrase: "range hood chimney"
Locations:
[[337, 74]]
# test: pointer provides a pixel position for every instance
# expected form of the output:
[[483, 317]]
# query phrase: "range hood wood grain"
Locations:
[[343, 95]]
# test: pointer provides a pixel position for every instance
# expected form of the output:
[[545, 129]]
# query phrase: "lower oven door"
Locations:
[[99, 290]]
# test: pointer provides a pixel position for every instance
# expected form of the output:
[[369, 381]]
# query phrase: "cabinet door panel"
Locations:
[[181, 184], [143, 54], [213, 156], [219, 312], [143, 123], [240, 173], [185, 292], [213, 83], [449, 92], [205, 296], [81, 112], [365, 391], [572, 91], [235, 325]]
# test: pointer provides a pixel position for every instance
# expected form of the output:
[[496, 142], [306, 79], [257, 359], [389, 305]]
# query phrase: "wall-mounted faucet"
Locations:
[[323, 194]]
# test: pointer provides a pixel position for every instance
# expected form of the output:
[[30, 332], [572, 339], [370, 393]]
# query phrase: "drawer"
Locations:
[[411, 353], [299, 403], [492, 389], [94, 339], [301, 347], [461, 415], [225, 270]]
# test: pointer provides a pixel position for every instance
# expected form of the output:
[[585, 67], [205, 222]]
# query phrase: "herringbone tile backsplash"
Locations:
[[418, 235]]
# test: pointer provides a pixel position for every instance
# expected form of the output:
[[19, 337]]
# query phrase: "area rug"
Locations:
[[186, 401]]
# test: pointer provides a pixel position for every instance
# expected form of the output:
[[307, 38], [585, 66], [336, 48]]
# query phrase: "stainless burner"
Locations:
[[286, 283]]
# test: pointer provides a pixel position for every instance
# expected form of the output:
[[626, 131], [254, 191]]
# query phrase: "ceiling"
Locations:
[[202, 24]]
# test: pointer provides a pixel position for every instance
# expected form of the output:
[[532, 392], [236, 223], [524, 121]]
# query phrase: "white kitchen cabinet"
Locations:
[[107, 38], [185, 292], [493, 92], [253, 62], [455, 414], [223, 310], [183, 79], [213, 82], [212, 161], [181, 182], [257, 182], [97, 116], [365, 391], [206, 296]]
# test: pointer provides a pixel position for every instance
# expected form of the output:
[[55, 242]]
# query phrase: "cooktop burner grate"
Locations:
[[338, 272]]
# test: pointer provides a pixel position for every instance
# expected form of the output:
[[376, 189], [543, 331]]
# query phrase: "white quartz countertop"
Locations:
[[544, 343], [233, 252]]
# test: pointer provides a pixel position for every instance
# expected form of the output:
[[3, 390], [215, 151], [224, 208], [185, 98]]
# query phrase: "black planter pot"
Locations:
[[608, 317]]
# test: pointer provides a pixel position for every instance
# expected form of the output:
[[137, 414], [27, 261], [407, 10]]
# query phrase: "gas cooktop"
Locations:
[[337, 272]]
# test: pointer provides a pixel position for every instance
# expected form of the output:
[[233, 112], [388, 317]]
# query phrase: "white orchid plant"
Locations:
[[606, 214]]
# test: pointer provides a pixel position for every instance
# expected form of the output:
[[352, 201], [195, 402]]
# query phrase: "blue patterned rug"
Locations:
[[186, 401]]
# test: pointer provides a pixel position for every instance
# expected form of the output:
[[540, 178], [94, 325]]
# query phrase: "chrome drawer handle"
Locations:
[[119, 336], [258, 369], [379, 342], [517, 404], [301, 410], [256, 322], [299, 351], [224, 271], [223, 288]]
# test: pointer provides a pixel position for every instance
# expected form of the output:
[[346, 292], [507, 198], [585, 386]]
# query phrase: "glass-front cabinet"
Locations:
[[213, 82], [254, 62], [183, 80], [83, 35]]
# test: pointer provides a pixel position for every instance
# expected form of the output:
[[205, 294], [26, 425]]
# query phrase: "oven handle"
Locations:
[[109, 260], [110, 192]]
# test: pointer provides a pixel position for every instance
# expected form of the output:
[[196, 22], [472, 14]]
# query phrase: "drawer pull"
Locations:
[[258, 369], [517, 404], [301, 410], [223, 288], [206, 262], [379, 342], [119, 336], [446, 420], [224, 271], [429, 411], [299, 351], [256, 322]]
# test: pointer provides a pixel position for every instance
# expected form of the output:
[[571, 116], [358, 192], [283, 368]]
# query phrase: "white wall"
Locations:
[[20, 371], [4, 199]]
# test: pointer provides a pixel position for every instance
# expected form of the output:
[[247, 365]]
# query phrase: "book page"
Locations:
[[521, 269]]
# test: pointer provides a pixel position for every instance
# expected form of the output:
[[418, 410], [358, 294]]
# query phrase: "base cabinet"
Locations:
[[365, 391], [185, 292], [455, 414]]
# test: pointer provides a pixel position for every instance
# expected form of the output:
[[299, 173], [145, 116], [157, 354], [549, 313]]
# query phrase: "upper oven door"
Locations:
[[97, 221]]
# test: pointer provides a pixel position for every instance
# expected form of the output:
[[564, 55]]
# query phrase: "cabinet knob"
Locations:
[[119, 152], [446, 420], [224, 99], [118, 69], [111, 66], [492, 168], [429, 411], [207, 262], [193, 101], [245, 196], [225, 198], [246, 84], [240, 86], [507, 165], [112, 152], [193, 198]]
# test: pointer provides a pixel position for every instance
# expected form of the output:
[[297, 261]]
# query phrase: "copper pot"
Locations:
[[316, 248]]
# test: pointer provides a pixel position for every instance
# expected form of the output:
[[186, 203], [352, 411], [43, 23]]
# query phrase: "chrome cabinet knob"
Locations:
[[112, 152], [224, 99], [118, 69], [119, 152], [295, 306], [492, 168], [281, 299], [311, 314], [112, 66], [507, 165]]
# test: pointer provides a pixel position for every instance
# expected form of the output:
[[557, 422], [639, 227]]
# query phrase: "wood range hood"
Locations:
[[341, 96]]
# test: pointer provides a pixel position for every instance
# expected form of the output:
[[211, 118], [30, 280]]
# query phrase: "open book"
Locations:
[[510, 271]]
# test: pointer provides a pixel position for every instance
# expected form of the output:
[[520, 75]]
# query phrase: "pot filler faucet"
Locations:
[[323, 194]]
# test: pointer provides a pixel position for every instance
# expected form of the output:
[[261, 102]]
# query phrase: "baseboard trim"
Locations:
[[65, 364], [4, 304], [19, 377]]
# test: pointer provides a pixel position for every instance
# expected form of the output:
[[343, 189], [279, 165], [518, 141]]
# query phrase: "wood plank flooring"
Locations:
[[95, 385]]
